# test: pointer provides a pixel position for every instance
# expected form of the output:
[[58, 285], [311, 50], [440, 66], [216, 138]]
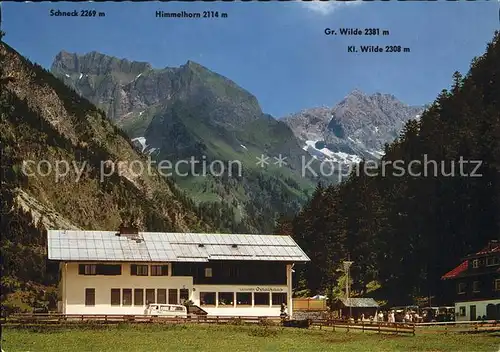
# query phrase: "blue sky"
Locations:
[[277, 51]]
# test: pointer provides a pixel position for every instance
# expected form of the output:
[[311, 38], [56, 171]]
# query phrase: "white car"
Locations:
[[166, 310]]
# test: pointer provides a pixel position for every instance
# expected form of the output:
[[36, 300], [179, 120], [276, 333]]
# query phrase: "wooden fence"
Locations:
[[469, 322], [459, 326], [378, 327], [76, 319], [58, 318], [307, 304]]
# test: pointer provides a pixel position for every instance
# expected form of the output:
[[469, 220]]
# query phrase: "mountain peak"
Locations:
[[125, 88], [360, 121], [192, 65], [357, 92], [96, 63]]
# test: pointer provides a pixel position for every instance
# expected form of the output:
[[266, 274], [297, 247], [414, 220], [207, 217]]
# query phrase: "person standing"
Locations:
[[283, 311], [380, 316]]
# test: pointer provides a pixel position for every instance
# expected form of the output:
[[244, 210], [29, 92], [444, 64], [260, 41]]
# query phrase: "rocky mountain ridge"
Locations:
[[188, 112], [177, 113], [357, 127]]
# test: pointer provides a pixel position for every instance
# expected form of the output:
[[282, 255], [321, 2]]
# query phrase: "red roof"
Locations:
[[455, 272], [491, 248]]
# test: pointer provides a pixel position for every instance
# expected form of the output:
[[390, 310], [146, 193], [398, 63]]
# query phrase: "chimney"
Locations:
[[130, 232], [493, 244]]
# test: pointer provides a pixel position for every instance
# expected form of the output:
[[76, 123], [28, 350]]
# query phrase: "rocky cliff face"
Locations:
[[357, 127], [126, 89], [99, 78], [95, 63]]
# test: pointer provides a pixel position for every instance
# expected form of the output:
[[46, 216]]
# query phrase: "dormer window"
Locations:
[[475, 263]]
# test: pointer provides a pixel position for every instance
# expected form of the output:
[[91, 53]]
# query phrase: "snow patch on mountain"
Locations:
[[327, 154], [376, 153], [145, 148]]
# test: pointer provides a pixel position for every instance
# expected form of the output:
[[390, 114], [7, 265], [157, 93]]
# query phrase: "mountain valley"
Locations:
[[176, 114]]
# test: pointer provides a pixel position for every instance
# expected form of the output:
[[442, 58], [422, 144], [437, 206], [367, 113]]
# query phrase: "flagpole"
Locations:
[[347, 265]]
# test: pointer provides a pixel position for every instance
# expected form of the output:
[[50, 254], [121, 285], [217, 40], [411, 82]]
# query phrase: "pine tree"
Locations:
[[406, 230]]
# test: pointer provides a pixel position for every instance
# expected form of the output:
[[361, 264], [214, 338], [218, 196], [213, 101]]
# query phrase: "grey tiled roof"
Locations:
[[79, 245]]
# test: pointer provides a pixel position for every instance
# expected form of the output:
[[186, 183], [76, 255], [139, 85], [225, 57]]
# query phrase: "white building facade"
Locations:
[[471, 310], [106, 272]]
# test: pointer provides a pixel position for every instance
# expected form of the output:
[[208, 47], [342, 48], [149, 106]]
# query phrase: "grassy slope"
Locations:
[[234, 338], [223, 147]]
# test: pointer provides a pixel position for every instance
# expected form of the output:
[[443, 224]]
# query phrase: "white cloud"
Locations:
[[327, 7]]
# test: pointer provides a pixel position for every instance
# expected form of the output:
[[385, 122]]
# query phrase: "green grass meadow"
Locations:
[[231, 338]]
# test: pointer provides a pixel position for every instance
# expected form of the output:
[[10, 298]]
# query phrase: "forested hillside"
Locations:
[[179, 113], [405, 231], [44, 122]]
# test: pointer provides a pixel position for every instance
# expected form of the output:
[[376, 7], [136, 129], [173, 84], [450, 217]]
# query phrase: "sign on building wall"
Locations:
[[263, 289]]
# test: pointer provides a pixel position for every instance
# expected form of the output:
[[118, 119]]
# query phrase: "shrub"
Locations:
[[236, 321], [263, 332]]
